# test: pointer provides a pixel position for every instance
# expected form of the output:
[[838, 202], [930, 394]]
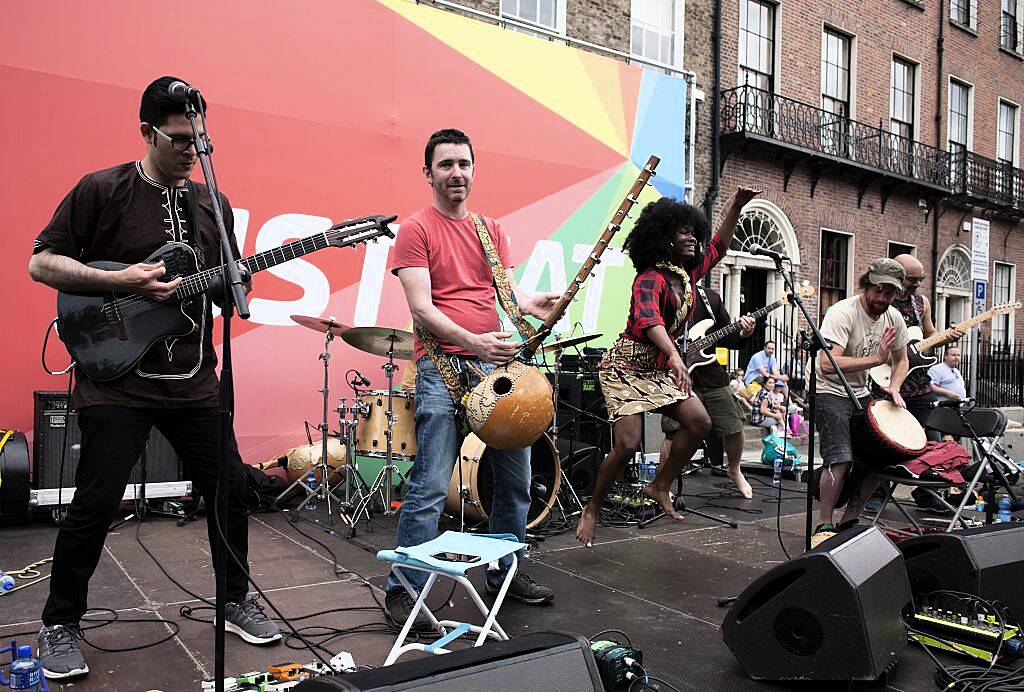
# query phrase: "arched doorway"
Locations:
[[750, 281]]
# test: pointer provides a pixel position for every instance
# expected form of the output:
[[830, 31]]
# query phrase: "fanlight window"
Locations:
[[755, 227], [955, 270]]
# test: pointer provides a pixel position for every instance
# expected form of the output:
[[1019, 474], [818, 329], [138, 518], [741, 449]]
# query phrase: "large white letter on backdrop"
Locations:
[[317, 290]]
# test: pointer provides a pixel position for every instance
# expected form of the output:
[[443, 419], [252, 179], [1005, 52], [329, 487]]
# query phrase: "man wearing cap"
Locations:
[[863, 331]]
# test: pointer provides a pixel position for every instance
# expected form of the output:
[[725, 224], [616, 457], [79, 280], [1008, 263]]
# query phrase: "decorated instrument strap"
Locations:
[[506, 298]]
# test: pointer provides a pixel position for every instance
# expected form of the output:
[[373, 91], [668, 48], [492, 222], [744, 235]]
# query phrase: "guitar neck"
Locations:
[[939, 338], [716, 336]]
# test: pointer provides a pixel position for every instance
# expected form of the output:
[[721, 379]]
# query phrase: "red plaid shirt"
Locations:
[[654, 302]]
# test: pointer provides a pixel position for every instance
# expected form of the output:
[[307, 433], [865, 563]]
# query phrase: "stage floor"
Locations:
[[658, 584]]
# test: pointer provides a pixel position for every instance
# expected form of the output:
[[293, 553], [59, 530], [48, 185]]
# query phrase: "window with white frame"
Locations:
[[964, 13], [1003, 276], [834, 277], [654, 30], [549, 14], [835, 91], [901, 114], [959, 130], [1011, 30], [1006, 134], [896, 249], [757, 44]]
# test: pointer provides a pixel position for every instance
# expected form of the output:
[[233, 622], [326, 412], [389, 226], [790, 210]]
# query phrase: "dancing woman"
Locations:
[[643, 370]]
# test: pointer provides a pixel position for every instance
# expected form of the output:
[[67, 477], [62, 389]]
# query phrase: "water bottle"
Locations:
[[777, 473], [6, 582], [25, 670], [1004, 509], [312, 485]]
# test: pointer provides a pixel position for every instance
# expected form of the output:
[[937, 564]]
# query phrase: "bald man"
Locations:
[[917, 312]]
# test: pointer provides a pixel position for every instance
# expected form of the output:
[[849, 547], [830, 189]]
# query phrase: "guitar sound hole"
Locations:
[[502, 386]]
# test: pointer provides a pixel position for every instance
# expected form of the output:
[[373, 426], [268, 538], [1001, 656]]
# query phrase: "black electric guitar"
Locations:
[[695, 355], [108, 333], [917, 344]]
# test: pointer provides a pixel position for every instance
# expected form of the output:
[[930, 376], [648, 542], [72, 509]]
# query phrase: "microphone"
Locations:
[[360, 379], [950, 403], [765, 252], [538, 489], [181, 92]]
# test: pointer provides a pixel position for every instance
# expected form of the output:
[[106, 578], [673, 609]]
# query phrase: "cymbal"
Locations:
[[562, 344], [321, 325], [378, 340]]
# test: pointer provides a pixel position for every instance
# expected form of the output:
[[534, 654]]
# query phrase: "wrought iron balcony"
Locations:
[[825, 139], [986, 182]]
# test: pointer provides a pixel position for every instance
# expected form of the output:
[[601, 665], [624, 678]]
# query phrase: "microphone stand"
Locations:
[[812, 345], [234, 299]]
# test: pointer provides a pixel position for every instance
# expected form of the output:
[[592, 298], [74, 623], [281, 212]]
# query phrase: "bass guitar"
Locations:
[[107, 333], [696, 354], [917, 345]]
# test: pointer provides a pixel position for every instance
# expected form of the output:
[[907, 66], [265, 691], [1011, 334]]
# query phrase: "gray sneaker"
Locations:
[[58, 652], [247, 620]]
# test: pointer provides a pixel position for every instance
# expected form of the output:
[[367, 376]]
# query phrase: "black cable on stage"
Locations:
[[592, 637], [113, 617]]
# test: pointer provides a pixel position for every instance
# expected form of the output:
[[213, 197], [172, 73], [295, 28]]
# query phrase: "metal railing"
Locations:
[[1000, 374], [980, 177], [747, 109]]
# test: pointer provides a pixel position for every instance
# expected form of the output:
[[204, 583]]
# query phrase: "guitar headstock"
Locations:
[[362, 230], [805, 291], [1006, 308]]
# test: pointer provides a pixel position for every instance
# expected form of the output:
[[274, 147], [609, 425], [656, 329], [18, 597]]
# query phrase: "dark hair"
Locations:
[[157, 105], [864, 282], [654, 233], [769, 342], [448, 135]]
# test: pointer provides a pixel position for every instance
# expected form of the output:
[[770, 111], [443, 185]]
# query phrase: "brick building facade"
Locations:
[[873, 127]]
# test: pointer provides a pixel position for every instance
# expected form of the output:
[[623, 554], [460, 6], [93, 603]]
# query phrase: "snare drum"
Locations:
[[478, 480], [885, 435], [371, 440]]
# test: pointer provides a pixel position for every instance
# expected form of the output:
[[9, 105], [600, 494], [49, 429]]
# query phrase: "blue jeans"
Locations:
[[439, 442]]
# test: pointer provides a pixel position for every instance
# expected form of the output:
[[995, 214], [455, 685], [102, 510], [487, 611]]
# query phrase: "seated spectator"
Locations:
[[947, 381], [763, 365], [765, 411], [739, 390]]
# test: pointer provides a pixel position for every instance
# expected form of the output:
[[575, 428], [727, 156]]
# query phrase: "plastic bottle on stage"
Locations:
[[311, 483], [25, 670], [1004, 509], [777, 473], [6, 582]]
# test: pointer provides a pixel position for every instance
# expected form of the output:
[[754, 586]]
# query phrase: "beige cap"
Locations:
[[886, 271]]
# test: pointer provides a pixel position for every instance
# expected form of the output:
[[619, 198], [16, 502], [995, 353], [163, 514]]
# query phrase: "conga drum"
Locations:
[[885, 435]]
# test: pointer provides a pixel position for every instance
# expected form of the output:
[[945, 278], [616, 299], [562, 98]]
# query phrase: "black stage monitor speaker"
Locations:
[[14, 478], [52, 418], [538, 662], [581, 463], [833, 613], [987, 562]]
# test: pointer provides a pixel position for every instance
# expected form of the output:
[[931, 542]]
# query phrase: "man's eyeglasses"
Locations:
[[917, 279], [182, 143]]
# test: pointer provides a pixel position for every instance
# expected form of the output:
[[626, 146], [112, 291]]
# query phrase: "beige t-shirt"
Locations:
[[848, 324]]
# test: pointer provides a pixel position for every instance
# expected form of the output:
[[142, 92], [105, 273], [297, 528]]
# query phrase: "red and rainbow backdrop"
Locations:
[[320, 110]]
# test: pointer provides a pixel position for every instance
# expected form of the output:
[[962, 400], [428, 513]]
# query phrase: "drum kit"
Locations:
[[376, 427]]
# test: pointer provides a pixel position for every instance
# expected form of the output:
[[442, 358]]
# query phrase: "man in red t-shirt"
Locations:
[[450, 289]]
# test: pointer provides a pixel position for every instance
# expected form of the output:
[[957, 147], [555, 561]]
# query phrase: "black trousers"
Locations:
[[113, 437]]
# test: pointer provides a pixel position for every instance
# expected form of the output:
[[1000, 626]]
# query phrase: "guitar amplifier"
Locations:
[[52, 418], [581, 414]]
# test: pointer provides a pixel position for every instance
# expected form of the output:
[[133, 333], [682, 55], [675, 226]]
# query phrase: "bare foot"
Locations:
[[663, 498], [586, 532], [741, 483]]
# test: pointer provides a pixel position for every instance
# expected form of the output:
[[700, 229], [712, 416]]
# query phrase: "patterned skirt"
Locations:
[[631, 381]]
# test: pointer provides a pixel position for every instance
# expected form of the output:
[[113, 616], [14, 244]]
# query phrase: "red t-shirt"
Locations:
[[461, 282]]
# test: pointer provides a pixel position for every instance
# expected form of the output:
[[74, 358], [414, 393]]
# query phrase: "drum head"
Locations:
[[898, 426]]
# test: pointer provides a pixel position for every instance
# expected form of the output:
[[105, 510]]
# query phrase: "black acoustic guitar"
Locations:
[[108, 333]]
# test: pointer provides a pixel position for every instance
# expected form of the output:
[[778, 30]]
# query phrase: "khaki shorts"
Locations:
[[722, 407]]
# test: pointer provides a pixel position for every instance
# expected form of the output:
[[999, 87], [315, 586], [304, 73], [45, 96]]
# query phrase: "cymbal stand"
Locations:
[[323, 488], [383, 484]]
